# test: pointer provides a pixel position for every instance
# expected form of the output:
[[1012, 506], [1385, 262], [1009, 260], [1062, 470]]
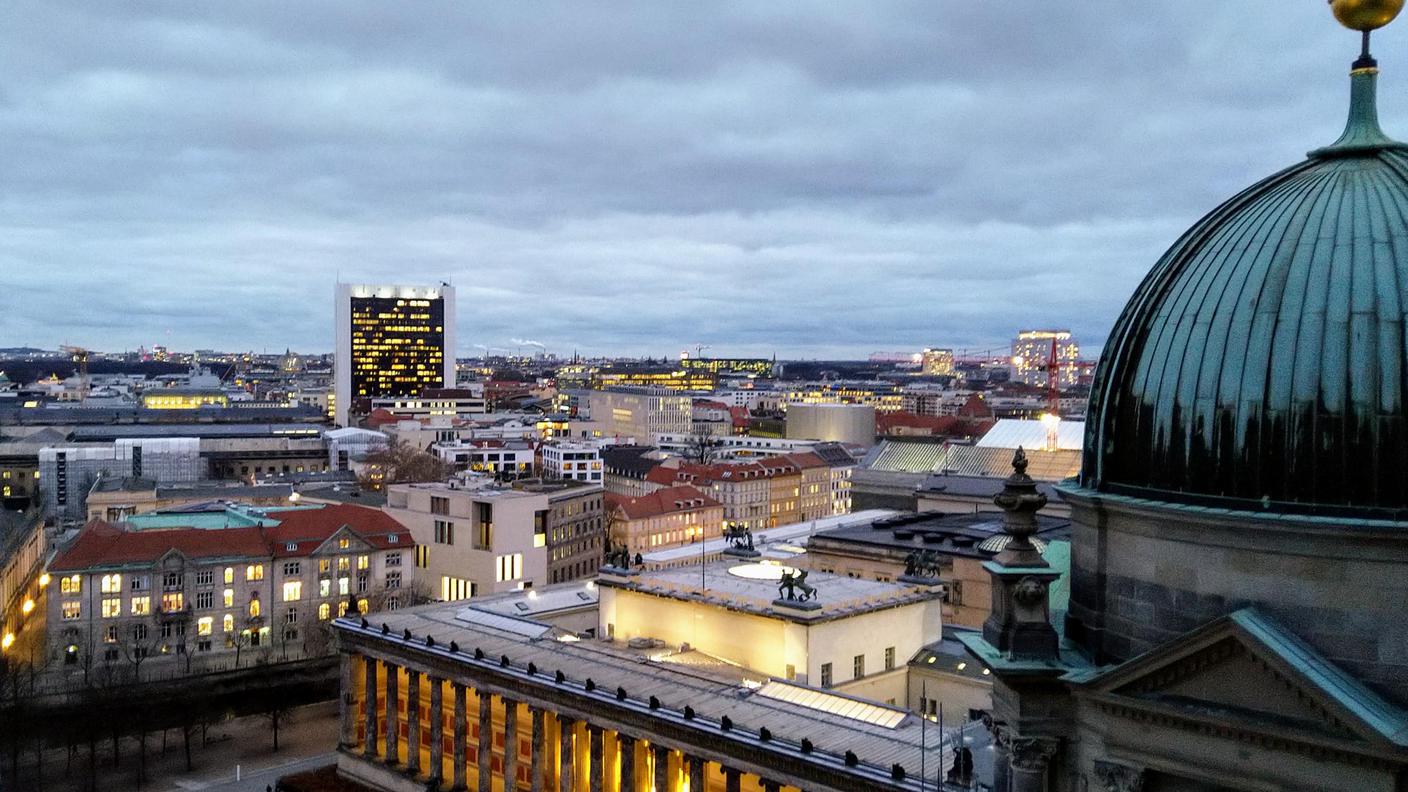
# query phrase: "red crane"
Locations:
[[1053, 381]]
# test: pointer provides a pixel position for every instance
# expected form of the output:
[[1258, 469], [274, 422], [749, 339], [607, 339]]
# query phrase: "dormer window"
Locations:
[[291, 546], [393, 539]]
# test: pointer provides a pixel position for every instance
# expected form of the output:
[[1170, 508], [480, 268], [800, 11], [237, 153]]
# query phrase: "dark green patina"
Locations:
[[1262, 362]]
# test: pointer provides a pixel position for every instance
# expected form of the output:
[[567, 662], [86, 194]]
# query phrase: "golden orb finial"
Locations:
[[1365, 15]]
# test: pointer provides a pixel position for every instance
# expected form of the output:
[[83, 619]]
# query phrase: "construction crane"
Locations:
[[699, 351], [79, 355]]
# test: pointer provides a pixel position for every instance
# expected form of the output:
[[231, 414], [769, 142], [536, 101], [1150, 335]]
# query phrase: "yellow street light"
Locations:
[[27, 607], [44, 579], [7, 641]]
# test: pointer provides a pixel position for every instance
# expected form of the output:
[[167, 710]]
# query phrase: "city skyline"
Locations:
[[664, 178]]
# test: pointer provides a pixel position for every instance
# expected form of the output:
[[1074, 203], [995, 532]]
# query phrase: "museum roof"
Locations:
[[732, 584], [970, 535], [604, 675]]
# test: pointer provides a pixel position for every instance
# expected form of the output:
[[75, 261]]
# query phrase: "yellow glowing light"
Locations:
[[7, 641], [1017, 361], [987, 671], [931, 659], [962, 666], [44, 579], [27, 607], [1050, 420]]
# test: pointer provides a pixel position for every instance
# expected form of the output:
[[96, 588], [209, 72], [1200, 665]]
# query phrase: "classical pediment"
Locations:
[[1248, 671], [342, 542]]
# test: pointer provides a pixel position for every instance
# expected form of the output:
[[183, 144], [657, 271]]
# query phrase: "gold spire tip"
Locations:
[[1365, 15]]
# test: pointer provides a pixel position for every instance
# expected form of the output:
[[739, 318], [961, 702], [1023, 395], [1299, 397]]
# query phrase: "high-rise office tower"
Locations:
[[392, 341]]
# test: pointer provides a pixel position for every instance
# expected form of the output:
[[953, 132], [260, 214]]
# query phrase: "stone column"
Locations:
[[1030, 757], [484, 757], [346, 704], [537, 774], [733, 780], [510, 744], [564, 747], [369, 710], [437, 730], [662, 768], [598, 773], [696, 774], [413, 722], [1001, 759], [393, 731], [460, 775], [626, 749]]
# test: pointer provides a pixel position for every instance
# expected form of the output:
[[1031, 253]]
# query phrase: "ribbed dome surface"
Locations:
[[1263, 359]]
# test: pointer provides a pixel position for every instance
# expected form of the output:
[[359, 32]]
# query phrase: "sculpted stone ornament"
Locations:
[[1029, 591], [1113, 777], [1019, 501], [1031, 754]]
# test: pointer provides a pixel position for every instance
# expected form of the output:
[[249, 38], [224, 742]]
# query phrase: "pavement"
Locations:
[[307, 737]]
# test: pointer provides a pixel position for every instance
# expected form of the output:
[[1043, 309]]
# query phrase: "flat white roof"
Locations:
[[781, 534], [1013, 432]]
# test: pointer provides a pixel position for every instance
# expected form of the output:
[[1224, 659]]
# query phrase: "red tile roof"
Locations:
[[669, 500], [102, 544], [886, 423]]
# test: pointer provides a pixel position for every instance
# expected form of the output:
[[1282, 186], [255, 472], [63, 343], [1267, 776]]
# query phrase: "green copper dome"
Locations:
[[1262, 362]]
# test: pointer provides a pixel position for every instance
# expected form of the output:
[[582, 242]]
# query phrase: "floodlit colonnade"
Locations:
[[409, 728]]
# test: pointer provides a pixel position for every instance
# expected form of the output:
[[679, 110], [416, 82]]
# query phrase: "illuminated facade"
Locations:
[[938, 362], [183, 399], [1031, 353], [759, 367], [392, 341]]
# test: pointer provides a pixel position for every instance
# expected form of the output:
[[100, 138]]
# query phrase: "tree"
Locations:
[[701, 446], [400, 463]]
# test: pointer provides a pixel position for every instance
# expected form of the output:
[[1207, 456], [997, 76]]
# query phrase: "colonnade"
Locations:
[[441, 730]]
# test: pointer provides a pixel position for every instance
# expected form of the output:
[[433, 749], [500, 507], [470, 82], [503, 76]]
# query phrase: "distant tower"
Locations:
[[391, 341]]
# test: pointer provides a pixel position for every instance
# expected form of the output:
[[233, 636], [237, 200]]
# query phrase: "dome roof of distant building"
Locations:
[[1262, 362]]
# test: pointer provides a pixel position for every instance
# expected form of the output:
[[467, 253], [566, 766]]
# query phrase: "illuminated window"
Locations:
[[229, 575], [343, 544], [324, 587], [141, 606], [172, 601], [363, 562], [229, 598], [71, 611], [324, 611], [111, 584], [112, 607], [293, 591], [254, 608], [110, 634], [509, 567], [344, 564], [423, 556], [73, 584], [254, 572], [228, 623], [363, 606], [205, 625], [324, 564], [342, 608], [343, 586]]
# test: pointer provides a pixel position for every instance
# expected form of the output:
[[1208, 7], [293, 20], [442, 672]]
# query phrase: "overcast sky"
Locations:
[[812, 179]]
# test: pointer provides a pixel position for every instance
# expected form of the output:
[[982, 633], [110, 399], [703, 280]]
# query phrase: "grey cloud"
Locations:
[[811, 179]]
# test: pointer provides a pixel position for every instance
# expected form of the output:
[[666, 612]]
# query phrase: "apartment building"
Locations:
[[210, 581], [578, 461], [475, 538], [665, 518]]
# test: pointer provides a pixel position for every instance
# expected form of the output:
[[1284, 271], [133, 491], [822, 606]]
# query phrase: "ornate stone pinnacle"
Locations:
[[1019, 501]]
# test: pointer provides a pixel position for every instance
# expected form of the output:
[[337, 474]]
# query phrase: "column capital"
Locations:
[[1112, 777], [1032, 753]]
